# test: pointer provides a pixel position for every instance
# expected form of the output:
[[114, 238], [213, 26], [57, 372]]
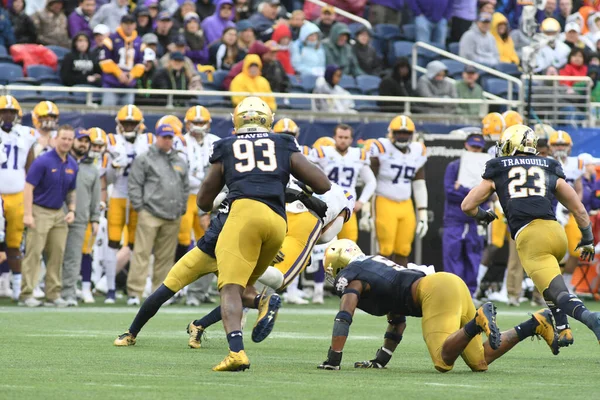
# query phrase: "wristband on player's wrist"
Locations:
[[586, 234], [481, 213]]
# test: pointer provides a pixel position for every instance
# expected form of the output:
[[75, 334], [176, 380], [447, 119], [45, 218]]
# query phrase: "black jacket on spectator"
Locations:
[[367, 57], [166, 78], [23, 27], [276, 75], [395, 85], [146, 81], [164, 41], [205, 8], [76, 67]]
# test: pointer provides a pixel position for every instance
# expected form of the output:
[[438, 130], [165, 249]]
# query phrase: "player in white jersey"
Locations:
[[45, 120], [399, 164], [17, 152], [123, 147], [561, 145], [344, 165]]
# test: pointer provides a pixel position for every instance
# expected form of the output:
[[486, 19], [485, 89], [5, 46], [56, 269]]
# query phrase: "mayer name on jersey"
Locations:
[[341, 169], [256, 166], [525, 187], [397, 169], [389, 286]]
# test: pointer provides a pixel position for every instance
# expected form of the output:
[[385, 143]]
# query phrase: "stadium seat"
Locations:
[[365, 105], [300, 104], [349, 83], [43, 73], [203, 77], [219, 77], [26, 96], [368, 83], [4, 56], [401, 48], [508, 68], [380, 46], [59, 51], [387, 32], [453, 48], [10, 73], [455, 68], [496, 86], [408, 32], [308, 82], [81, 98], [354, 27], [57, 97]]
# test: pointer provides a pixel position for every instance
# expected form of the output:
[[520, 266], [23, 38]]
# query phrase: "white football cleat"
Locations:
[[88, 297], [133, 301]]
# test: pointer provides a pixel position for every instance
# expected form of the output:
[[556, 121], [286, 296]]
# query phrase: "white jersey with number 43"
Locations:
[[341, 169], [397, 169]]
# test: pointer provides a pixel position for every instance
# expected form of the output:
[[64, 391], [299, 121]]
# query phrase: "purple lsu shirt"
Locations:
[[52, 179]]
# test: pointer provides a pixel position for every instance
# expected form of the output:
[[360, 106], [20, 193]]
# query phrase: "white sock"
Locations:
[[568, 278], [481, 273], [319, 288], [504, 290], [86, 286], [16, 285], [272, 278], [110, 268]]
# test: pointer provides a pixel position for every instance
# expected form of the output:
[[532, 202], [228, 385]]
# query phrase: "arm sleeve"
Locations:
[[95, 200], [370, 183], [135, 184], [107, 64]]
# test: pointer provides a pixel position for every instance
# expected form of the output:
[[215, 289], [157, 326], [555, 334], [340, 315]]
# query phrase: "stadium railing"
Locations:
[[482, 68], [343, 13]]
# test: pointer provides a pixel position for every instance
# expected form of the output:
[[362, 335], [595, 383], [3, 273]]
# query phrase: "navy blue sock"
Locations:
[[560, 318], [236, 342], [320, 274], [4, 268], [150, 308], [209, 319], [257, 301], [86, 268], [472, 329], [571, 305], [526, 329]]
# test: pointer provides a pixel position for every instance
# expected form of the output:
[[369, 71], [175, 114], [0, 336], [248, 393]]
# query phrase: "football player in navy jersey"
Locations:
[[451, 325], [255, 164], [527, 185]]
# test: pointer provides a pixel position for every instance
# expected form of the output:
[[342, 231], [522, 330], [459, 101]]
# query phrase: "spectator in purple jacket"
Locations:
[[464, 13], [196, 50], [386, 12], [79, 20], [431, 20], [513, 10], [214, 25]]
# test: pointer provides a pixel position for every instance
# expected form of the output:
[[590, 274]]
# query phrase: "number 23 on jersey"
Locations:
[[526, 182]]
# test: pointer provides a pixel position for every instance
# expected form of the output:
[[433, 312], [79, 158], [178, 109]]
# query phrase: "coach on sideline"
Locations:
[[158, 190], [50, 183], [88, 211]]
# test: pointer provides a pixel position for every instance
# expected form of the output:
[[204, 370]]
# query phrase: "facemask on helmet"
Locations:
[[48, 122], [198, 129], [401, 139], [129, 129], [8, 119]]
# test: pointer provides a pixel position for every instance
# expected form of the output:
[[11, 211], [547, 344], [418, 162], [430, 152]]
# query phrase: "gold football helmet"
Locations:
[[543, 131], [99, 141], [493, 125], [400, 131], [511, 117], [173, 122], [45, 116], [338, 255], [252, 115], [323, 141], [518, 139], [129, 121], [560, 143], [288, 126], [13, 116], [197, 121], [550, 27]]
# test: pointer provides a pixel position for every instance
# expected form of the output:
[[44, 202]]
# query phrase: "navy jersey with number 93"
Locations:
[[256, 166], [525, 186]]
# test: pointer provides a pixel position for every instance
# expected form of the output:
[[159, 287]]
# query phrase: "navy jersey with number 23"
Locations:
[[256, 166]]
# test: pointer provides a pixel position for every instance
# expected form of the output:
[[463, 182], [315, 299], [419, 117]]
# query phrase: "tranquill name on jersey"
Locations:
[[523, 161]]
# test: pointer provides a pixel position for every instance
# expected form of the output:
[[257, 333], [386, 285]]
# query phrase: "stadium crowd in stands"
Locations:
[[140, 44]]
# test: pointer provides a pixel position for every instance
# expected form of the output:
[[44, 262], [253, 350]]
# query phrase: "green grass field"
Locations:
[[68, 354]]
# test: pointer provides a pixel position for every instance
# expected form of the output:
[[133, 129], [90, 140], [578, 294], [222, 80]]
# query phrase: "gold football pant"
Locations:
[[395, 225], [447, 306], [13, 213], [349, 229], [248, 243], [303, 231], [189, 221], [192, 266], [117, 219], [541, 245]]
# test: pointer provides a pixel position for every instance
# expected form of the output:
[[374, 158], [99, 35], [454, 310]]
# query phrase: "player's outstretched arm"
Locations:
[[341, 325], [391, 340], [569, 198], [477, 196], [211, 187], [309, 173]]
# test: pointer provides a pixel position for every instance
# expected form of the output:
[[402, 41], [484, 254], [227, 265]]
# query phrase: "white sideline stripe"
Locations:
[[196, 311]]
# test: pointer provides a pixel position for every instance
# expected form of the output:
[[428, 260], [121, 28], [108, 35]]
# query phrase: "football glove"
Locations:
[[485, 216], [586, 245], [318, 206], [305, 188], [366, 222], [381, 359], [422, 225], [333, 361]]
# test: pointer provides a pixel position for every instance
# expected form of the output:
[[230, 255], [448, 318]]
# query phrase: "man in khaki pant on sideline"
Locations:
[[50, 183], [158, 189]]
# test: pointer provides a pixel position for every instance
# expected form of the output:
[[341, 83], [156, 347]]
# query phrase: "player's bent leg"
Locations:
[[349, 229]]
